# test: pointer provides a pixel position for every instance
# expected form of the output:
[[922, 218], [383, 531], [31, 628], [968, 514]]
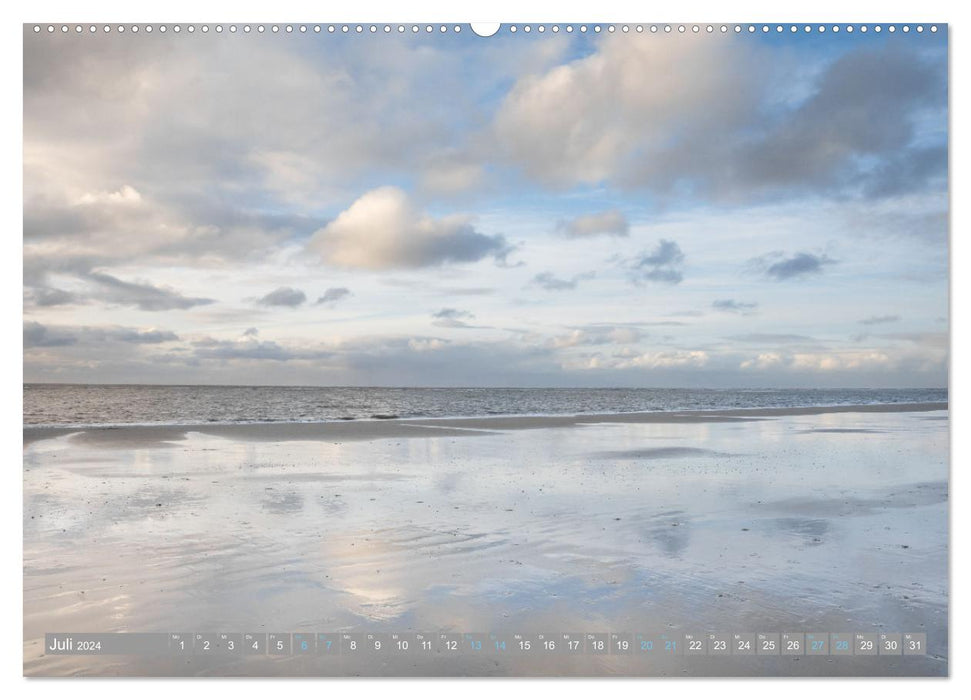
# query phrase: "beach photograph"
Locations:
[[566, 350]]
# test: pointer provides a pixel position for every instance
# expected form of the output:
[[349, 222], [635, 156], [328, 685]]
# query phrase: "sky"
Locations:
[[442, 209]]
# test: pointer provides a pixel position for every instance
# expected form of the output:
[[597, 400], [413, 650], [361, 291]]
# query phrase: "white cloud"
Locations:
[[586, 121], [673, 358], [822, 361], [665, 359], [571, 339], [126, 195], [384, 230], [426, 344]]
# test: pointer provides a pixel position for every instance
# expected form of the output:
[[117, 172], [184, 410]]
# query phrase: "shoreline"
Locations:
[[375, 429]]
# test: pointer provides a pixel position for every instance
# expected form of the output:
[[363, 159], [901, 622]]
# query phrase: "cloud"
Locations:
[[126, 195], [83, 354], [452, 318], [876, 320], [332, 295], [610, 223], [822, 361], [223, 160], [598, 335], [384, 230], [283, 296], [211, 114], [65, 231], [663, 264], [38, 335], [249, 347], [47, 296], [863, 107], [781, 267], [134, 335], [589, 120], [664, 359], [237, 155], [426, 344], [712, 117], [900, 173], [551, 283], [142, 295], [732, 306]]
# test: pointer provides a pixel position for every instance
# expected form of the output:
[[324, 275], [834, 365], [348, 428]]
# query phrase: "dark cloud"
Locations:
[[663, 264], [133, 335], [798, 265], [142, 295], [903, 172], [333, 295], [732, 306], [249, 348], [283, 296], [452, 313], [666, 253], [40, 335], [551, 283], [876, 320], [37, 335], [465, 244], [453, 318], [781, 267], [100, 286], [864, 106], [48, 296]]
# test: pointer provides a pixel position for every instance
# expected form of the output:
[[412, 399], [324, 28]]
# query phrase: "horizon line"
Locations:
[[458, 386]]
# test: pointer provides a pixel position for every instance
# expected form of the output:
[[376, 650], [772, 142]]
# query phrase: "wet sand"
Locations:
[[730, 521]]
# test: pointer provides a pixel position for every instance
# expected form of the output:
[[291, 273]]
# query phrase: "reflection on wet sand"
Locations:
[[790, 520]]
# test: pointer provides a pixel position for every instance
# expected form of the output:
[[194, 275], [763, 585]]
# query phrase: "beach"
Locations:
[[761, 520]]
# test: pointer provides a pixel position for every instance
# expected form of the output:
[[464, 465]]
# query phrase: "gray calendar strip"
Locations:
[[563, 643]]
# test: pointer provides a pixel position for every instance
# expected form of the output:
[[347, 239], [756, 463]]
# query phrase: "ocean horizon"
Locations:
[[89, 405]]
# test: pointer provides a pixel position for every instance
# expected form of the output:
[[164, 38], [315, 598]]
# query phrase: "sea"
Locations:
[[87, 405]]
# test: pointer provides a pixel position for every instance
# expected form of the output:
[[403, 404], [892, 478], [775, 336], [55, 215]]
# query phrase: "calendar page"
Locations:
[[550, 349]]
